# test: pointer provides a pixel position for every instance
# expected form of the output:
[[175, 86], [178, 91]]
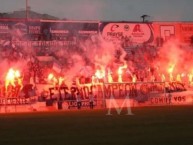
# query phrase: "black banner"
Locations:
[[37, 30]]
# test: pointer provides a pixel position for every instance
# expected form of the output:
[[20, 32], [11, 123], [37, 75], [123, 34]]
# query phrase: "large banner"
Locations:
[[69, 32], [180, 31], [187, 33], [175, 98], [13, 30], [136, 33]]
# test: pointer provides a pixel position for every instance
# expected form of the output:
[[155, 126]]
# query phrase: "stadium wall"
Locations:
[[70, 32]]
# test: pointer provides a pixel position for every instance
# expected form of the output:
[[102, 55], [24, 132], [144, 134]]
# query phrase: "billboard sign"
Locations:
[[186, 32], [135, 32]]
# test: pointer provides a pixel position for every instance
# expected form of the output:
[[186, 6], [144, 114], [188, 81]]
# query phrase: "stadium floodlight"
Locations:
[[144, 17]]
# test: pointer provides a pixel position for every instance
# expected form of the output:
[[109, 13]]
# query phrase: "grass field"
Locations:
[[171, 125]]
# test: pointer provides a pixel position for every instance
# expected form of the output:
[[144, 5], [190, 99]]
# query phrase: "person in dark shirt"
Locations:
[[78, 99], [91, 100]]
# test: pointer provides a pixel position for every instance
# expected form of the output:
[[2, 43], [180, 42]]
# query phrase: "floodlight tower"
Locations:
[[144, 17]]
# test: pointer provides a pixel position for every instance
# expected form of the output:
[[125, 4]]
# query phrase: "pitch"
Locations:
[[169, 125]]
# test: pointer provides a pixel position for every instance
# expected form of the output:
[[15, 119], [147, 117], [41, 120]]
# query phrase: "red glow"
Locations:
[[120, 72], [13, 77], [100, 74]]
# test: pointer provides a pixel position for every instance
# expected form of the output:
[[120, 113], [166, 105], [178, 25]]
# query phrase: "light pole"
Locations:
[[26, 8], [144, 16]]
